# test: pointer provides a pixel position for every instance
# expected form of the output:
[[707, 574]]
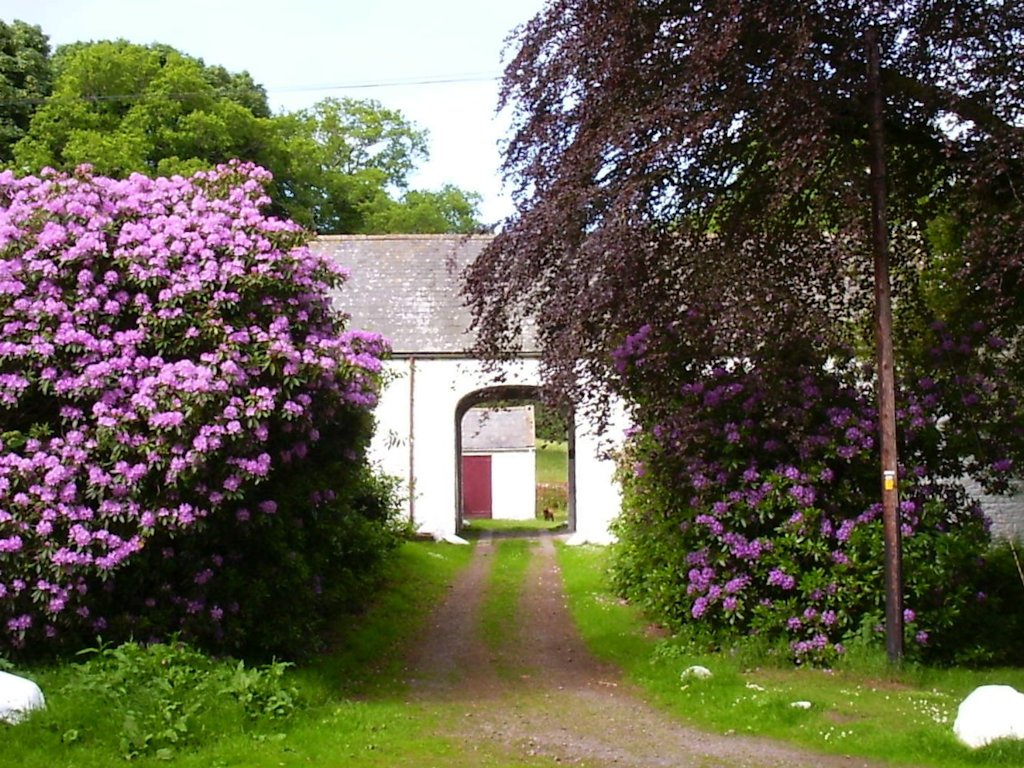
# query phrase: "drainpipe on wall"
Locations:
[[412, 442]]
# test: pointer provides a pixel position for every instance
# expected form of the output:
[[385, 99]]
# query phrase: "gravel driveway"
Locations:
[[559, 703]]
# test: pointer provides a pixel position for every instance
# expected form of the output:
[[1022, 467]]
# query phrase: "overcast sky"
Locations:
[[304, 50]]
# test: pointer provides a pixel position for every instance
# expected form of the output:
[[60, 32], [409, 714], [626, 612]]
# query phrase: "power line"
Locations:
[[438, 80], [354, 85]]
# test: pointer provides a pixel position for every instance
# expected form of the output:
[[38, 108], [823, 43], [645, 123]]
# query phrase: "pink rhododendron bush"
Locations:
[[751, 496], [183, 418]]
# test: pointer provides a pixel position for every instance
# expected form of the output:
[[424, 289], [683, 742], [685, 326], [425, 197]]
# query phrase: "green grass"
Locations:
[[864, 708], [364, 658], [473, 527], [552, 480], [348, 708], [500, 606], [552, 462]]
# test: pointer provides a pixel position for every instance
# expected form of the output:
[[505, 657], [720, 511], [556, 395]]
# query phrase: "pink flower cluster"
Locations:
[[164, 347]]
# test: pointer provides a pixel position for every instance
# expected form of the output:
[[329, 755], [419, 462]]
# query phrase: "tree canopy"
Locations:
[[670, 156], [694, 234], [126, 108], [24, 80], [342, 166], [349, 162]]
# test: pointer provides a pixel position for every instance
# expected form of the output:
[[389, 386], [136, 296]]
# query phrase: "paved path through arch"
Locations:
[[562, 704]]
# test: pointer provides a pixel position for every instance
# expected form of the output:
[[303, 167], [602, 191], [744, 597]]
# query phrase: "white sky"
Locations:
[[300, 49]]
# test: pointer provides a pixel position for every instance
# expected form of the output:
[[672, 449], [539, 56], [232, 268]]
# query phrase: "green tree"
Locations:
[[127, 108], [25, 79], [342, 166], [349, 162], [450, 209]]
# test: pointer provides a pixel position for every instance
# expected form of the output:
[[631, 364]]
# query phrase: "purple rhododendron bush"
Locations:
[[183, 419], [752, 496]]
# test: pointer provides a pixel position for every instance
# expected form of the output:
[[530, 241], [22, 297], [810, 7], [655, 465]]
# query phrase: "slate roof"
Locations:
[[407, 287], [486, 430]]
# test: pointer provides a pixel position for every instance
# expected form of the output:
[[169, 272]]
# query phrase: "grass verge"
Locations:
[[863, 708], [170, 705], [500, 606], [472, 527]]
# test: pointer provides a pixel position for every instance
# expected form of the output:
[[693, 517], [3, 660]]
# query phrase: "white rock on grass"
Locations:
[[18, 697], [988, 713], [451, 538], [696, 672]]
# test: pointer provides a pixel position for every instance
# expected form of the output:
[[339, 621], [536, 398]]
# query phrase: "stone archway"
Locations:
[[514, 392]]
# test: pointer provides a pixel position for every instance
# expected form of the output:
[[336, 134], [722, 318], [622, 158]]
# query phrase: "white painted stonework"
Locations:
[[18, 697], [988, 713], [409, 289], [513, 483], [1006, 513], [416, 442]]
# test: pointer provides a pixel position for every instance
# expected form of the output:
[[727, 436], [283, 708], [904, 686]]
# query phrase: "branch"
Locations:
[[965, 107]]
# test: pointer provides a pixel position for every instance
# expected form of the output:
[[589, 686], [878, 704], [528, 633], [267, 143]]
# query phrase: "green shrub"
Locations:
[[160, 699]]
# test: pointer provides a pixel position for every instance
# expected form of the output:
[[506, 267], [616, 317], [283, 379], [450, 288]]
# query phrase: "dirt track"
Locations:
[[559, 703]]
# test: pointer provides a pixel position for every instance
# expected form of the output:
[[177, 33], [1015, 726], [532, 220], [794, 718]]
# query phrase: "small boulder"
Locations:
[[450, 538], [696, 672], [988, 713], [18, 696]]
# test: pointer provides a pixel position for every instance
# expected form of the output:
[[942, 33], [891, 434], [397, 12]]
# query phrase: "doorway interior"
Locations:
[[481, 475]]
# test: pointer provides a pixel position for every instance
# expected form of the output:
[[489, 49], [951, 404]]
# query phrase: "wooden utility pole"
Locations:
[[886, 379]]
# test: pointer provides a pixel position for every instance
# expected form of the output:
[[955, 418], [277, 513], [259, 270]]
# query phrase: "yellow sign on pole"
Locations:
[[889, 480]]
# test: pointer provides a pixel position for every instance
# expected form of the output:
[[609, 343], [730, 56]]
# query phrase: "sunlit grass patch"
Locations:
[[552, 461], [863, 707], [474, 527], [162, 704]]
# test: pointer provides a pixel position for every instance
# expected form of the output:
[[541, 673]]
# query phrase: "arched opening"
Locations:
[[544, 495]]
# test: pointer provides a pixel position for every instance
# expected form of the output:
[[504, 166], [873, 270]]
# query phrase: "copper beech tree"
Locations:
[[671, 155], [695, 185]]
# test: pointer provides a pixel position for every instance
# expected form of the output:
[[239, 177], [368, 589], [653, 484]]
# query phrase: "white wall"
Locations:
[[429, 445], [1005, 512], [389, 449], [598, 495], [513, 485]]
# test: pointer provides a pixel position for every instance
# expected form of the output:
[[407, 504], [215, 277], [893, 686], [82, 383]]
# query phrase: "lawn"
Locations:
[[169, 705], [552, 479], [863, 708], [552, 462]]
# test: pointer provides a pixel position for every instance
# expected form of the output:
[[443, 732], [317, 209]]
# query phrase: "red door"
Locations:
[[476, 486]]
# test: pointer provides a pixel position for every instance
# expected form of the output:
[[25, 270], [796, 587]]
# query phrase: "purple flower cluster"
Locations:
[[164, 347], [775, 459]]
